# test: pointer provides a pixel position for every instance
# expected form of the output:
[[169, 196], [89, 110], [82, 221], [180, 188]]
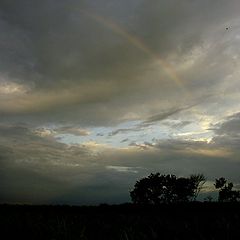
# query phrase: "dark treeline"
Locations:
[[159, 188]]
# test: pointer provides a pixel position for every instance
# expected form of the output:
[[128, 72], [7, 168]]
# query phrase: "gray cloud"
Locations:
[[158, 118], [177, 125], [124, 130], [122, 169], [227, 133], [38, 169], [162, 116], [182, 158], [230, 127], [72, 130], [74, 63]]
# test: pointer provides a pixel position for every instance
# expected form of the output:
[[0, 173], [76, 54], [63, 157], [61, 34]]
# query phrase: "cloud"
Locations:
[[159, 118], [227, 133], [181, 158], [122, 169], [38, 169], [230, 127], [165, 115], [72, 130], [76, 68], [143, 146], [178, 124], [124, 130]]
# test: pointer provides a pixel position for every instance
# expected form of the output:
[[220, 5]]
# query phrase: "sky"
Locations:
[[97, 94]]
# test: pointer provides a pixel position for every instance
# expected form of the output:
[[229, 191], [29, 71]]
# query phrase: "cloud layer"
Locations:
[[39, 169], [73, 61]]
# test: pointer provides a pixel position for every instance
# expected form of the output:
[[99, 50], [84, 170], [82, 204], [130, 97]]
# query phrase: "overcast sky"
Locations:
[[95, 95]]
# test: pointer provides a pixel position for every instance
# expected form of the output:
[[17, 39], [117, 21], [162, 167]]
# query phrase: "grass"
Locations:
[[122, 222]]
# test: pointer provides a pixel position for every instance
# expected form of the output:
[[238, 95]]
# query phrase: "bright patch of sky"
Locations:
[[132, 132]]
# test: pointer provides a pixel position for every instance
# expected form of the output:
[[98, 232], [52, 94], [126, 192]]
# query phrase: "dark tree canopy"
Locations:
[[157, 188], [226, 192]]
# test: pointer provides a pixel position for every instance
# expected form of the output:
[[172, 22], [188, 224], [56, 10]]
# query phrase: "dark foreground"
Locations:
[[126, 222]]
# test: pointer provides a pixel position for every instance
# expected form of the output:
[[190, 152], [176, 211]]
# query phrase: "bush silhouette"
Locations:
[[226, 194], [156, 189]]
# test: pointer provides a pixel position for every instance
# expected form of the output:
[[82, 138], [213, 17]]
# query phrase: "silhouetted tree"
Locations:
[[198, 180], [157, 188], [226, 192]]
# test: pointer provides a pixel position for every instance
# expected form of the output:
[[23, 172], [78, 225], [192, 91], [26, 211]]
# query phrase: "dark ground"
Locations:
[[126, 222]]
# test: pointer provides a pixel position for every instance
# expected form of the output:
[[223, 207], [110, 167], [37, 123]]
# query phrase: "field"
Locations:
[[122, 222]]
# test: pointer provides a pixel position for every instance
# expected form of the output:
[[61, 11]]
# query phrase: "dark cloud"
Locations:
[[181, 158], [37, 169], [177, 125], [41, 170], [170, 112], [100, 134], [72, 130], [159, 118], [72, 62], [230, 127], [154, 119], [227, 133], [162, 116], [124, 130]]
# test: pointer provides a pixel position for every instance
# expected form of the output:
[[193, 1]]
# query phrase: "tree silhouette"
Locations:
[[157, 188], [226, 192], [198, 180]]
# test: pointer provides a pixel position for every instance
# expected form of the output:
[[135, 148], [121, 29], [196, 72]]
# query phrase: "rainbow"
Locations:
[[137, 42]]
